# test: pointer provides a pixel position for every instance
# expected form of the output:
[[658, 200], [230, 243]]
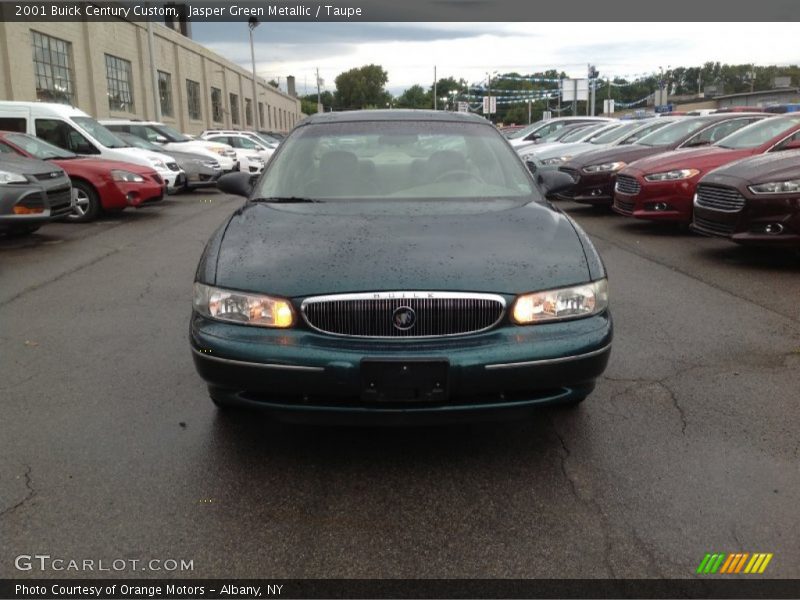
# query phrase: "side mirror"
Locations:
[[239, 184], [533, 137], [553, 182]]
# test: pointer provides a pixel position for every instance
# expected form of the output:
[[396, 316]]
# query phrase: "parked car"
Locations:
[[661, 188], [200, 171], [245, 146], [754, 201], [558, 136], [261, 139], [72, 129], [169, 138], [431, 280], [541, 128], [614, 134], [594, 172], [510, 129], [97, 184], [32, 193]]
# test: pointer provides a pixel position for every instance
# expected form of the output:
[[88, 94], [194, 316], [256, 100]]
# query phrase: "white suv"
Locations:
[[244, 145], [172, 139]]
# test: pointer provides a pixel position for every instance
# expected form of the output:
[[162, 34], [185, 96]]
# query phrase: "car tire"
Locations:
[[87, 203]]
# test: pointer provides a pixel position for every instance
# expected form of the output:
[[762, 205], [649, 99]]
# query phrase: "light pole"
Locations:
[[489, 92], [252, 23]]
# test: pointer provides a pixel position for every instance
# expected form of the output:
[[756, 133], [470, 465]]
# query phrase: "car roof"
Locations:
[[393, 115]]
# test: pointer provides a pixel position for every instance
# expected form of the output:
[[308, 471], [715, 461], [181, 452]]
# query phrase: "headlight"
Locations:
[[119, 175], [8, 177], [605, 167], [242, 308], [556, 160], [672, 175], [776, 187], [565, 303]]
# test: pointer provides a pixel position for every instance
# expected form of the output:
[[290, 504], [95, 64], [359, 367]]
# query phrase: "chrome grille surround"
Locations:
[[627, 185], [369, 314], [720, 198]]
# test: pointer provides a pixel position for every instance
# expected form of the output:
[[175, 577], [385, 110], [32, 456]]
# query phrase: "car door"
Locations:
[[62, 134]]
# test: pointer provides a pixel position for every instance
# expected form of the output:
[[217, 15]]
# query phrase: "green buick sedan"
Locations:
[[397, 266]]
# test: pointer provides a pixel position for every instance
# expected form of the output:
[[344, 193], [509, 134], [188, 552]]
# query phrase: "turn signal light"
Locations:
[[26, 210]]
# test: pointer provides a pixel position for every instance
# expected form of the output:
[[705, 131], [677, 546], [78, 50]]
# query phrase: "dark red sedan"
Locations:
[[97, 184], [755, 201], [662, 188], [593, 173]]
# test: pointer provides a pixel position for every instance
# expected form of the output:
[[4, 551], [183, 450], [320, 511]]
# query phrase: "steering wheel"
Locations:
[[457, 174]]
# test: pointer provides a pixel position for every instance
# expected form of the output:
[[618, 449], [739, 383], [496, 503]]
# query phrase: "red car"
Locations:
[[97, 184], [661, 188]]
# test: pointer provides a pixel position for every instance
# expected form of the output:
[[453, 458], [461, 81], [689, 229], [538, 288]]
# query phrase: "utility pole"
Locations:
[[319, 94], [253, 23], [434, 87], [530, 102], [489, 94]]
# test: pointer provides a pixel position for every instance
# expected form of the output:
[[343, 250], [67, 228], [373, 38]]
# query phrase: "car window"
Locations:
[[717, 132], [62, 134], [246, 143], [99, 132], [673, 133], [606, 136], [38, 148], [6, 149], [395, 160], [13, 124], [760, 133], [792, 139], [647, 130]]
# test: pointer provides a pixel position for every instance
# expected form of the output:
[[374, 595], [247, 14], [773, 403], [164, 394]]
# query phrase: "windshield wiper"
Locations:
[[286, 200]]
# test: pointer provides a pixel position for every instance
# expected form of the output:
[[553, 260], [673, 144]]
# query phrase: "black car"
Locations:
[[397, 265], [32, 193]]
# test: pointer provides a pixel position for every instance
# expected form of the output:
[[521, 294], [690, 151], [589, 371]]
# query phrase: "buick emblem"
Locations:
[[404, 318]]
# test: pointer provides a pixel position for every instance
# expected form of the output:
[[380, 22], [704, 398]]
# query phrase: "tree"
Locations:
[[414, 97], [361, 87]]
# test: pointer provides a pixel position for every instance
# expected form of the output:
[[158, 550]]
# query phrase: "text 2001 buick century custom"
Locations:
[[395, 265]]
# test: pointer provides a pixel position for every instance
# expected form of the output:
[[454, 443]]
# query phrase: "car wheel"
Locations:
[[86, 205], [20, 231]]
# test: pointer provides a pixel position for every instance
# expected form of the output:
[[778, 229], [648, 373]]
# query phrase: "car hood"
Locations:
[[627, 154], [499, 246], [24, 165], [99, 166], [764, 168], [703, 158]]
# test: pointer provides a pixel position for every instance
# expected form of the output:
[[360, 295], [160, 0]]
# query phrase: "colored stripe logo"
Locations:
[[738, 562]]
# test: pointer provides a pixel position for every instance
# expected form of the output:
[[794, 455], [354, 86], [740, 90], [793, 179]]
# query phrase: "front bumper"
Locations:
[[658, 201], [748, 226], [589, 188], [300, 374]]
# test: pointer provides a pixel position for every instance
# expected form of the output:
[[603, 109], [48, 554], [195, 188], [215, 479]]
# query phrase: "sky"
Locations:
[[409, 51]]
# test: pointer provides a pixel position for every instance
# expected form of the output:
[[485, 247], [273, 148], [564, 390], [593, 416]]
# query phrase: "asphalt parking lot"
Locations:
[[111, 449]]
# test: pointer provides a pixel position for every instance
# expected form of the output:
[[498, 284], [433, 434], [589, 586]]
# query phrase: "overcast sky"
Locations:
[[409, 51]]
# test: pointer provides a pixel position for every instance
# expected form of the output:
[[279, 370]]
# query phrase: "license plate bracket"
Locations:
[[418, 380]]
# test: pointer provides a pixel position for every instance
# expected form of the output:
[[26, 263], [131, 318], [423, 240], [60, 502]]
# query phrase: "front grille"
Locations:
[[48, 176], [713, 227], [623, 206], [628, 185], [173, 166], [60, 200], [719, 198], [571, 172], [387, 314]]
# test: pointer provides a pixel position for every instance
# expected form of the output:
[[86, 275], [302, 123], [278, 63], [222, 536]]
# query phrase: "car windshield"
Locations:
[[38, 148], [172, 135], [395, 160], [673, 133], [759, 133], [525, 131], [606, 136], [579, 133], [638, 134], [137, 142], [100, 133]]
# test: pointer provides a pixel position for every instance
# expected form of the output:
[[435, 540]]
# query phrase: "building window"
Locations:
[[193, 99], [216, 105], [234, 109], [165, 93], [52, 63], [261, 114], [119, 76], [248, 112]]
